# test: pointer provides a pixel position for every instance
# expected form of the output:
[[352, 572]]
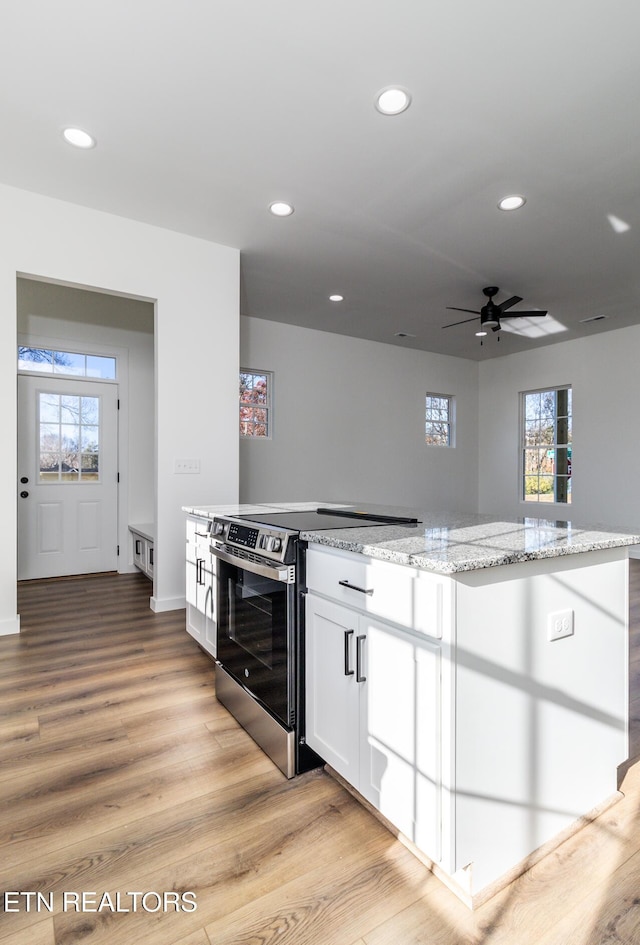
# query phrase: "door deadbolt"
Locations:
[[24, 480]]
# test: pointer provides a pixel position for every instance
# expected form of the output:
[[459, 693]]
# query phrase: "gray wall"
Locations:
[[603, 371], [349, 421]]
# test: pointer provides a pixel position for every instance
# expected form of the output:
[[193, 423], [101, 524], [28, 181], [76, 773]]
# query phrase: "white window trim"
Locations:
[[269, 406], [537, 505], [121, 355], [451, 420]]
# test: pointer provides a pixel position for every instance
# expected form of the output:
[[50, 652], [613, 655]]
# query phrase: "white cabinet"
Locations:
[[200, 584], [332, 694], [373, 714], [143, 537], [405, 596], [445, 703]]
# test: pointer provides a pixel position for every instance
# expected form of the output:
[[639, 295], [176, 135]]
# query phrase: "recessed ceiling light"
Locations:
[[336, 298], [392, 101], [78, 138], [512, 202], [618, 225], [280, 209]]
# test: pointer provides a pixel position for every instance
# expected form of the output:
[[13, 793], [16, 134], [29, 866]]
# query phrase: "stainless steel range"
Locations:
[[260, 643]]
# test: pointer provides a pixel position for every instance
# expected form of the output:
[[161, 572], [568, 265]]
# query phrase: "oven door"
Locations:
[[256, 630]]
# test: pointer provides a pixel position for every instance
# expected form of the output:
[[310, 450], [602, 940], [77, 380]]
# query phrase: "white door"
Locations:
[[67, 477]]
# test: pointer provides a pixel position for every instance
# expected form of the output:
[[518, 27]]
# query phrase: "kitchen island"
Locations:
[[467, 677], [493, 708]]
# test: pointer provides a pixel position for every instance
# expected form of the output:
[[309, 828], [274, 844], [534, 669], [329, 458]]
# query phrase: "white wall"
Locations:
[[93, 321], [195, 286], [349, 421], [603, 372]]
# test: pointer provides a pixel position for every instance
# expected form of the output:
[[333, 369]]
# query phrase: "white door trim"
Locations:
[[122, 380]]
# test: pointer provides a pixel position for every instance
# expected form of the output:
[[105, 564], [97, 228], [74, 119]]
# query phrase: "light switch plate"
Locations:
[[186, 466]]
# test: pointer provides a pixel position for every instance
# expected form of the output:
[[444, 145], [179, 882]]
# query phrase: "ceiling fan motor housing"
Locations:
[[489, 316]]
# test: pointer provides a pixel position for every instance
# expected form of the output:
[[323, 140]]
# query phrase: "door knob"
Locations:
[[23, 494]]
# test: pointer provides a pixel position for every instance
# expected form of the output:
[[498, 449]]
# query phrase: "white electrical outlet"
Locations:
[[184, 466], [560, 624]]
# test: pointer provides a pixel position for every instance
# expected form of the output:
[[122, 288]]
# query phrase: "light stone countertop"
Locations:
[[451, 543], [445, 542]]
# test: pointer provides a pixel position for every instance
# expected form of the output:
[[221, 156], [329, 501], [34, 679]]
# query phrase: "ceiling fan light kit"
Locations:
[[491, 312]]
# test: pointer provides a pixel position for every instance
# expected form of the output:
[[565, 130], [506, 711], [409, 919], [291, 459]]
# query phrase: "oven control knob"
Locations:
[[218, 528], [273, 543]]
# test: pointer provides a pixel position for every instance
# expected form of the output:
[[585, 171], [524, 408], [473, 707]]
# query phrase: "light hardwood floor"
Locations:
[[120, 772]]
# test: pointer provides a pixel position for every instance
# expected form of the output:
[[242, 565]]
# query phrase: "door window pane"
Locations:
[[104, 368], [69, 437], [65, 362], [71, 363]]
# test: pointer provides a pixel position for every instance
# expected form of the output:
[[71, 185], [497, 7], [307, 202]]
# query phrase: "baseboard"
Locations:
[[160, 605], [12, 625]]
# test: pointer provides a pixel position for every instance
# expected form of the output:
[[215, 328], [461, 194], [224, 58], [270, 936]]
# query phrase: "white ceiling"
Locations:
[[207, 111]]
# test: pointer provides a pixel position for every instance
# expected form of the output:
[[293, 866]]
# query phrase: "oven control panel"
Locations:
[[273, 544], [243, 536]]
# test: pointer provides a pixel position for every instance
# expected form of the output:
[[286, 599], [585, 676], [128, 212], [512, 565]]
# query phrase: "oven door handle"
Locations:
[[285, 575]]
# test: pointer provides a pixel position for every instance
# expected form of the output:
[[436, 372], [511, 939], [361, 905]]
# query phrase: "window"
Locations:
[[69, 438], [255, 403], [546, 445], [69, 363], [438, 429]]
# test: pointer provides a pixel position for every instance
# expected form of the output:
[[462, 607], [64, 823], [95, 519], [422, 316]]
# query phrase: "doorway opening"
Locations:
[[87, 439]]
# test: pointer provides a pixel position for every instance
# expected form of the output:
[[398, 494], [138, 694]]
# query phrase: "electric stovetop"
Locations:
[[325, 518]]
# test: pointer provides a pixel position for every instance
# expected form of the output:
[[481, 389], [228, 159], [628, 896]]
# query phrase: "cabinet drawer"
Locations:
[[202, 538], [198, 537], [191, 539], [402, 595], [139, 551]]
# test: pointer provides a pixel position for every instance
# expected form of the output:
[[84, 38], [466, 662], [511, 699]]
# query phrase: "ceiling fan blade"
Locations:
[[522, 314], [512, 301], [454, 308], [463, 322]]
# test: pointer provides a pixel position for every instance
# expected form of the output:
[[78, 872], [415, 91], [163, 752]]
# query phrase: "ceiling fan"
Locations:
[[491, 313]]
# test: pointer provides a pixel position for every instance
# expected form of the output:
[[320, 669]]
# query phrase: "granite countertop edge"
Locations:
[[439, 564]]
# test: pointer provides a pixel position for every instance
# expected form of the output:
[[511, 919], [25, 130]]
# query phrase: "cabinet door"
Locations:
[[139, 551], [191, 582], [331, 688], [194, 619], [210, 623], [400, 731]]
